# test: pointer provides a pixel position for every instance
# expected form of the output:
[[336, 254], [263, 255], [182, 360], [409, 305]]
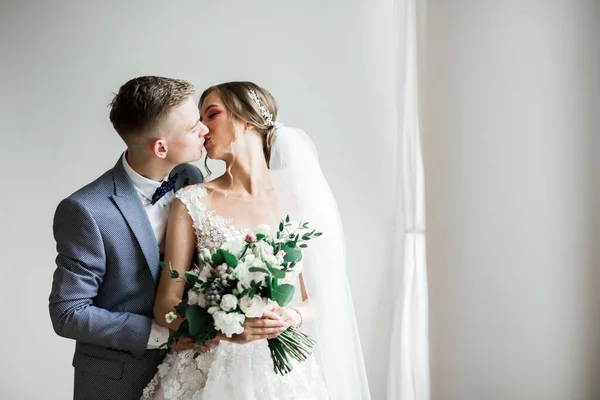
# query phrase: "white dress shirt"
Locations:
[[158, 215]]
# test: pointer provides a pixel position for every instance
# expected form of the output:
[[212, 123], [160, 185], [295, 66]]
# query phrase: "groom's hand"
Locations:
[[187, 344], [183, 344], [209, 345]]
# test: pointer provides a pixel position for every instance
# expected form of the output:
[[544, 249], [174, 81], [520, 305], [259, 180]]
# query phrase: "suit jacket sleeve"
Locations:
[[194, 174], [81, 265]]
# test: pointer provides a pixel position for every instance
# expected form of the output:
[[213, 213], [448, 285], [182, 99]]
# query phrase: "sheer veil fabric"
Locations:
[[304, 195]]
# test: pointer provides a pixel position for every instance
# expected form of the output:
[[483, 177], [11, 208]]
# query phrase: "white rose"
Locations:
[[257, 262], [214, 309], [267, 249], [253, 308], [245, 277], [229, 302], [229, 323], [263, 229], [262, 249], [272, 260], [234, 246]]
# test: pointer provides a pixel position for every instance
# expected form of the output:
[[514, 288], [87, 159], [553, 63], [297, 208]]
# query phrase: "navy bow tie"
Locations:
[[164, 188]]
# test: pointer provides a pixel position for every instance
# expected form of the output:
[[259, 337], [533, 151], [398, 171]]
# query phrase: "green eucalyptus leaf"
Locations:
[[181, 308], [218, 258], [276, 272], [292, 254], [283, 294], [258, 269], [230, 259]]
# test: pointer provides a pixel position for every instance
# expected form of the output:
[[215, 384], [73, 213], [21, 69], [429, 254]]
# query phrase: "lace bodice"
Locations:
[[228, 371], [211, 230]]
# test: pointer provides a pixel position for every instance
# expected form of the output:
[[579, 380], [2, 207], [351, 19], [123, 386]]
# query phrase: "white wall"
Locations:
[[511, 147], [61, 60]]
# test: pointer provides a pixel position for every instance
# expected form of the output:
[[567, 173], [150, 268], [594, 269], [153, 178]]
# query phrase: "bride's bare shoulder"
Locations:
[[216, 186]]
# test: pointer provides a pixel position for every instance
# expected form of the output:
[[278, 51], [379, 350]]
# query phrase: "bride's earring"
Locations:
[[248, 129]]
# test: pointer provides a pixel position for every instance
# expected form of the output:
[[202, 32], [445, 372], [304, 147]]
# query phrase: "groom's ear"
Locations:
[[159, 148]]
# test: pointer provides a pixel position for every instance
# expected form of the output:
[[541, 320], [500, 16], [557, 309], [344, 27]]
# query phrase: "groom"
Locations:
[[110, 234]]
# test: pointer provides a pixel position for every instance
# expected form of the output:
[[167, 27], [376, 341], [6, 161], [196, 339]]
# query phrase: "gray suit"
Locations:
[[105, 283]]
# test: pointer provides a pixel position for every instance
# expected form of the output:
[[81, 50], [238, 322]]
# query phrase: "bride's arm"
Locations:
[[296, 316], [301, 314], [180, 244]]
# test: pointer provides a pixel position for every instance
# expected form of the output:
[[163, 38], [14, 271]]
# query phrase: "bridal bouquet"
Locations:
[[240, 280]]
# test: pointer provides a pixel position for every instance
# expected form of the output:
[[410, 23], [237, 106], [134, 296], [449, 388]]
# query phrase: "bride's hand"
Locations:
[[267, 327], [287, 315]]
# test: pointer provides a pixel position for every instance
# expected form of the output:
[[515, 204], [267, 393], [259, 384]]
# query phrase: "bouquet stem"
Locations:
[[289, 343]]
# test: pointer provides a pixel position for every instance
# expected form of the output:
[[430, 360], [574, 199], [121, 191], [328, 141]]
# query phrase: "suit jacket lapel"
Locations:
[[129, 204]]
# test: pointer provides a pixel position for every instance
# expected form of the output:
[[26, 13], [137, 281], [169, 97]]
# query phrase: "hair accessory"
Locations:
[[263, 111]]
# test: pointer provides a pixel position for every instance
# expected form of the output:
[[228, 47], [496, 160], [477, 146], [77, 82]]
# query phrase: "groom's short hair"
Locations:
[[142, 102]]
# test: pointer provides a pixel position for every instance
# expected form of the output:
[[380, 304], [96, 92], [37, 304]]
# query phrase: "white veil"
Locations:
[[304, 194]]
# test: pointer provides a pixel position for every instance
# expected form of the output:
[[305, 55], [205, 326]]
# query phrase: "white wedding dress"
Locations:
[[228, 371]]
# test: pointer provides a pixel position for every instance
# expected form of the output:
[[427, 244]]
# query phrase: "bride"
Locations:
[[271, 171]]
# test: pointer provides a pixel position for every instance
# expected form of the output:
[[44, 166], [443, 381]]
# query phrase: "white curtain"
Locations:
[[408, 376]]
